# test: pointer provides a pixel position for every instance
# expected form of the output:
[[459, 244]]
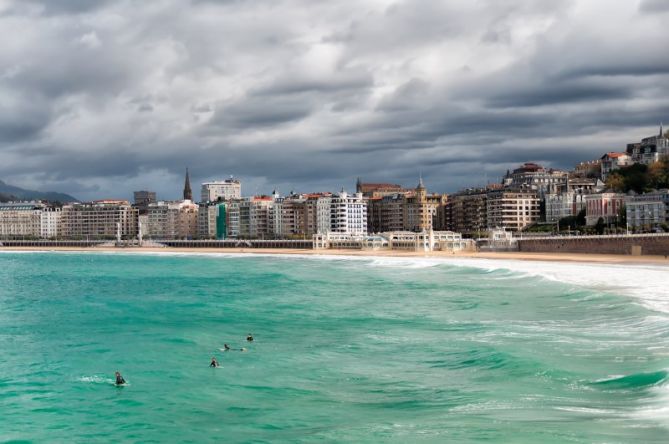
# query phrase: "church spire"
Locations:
[[358, 185], [661, 130], [188, 193]]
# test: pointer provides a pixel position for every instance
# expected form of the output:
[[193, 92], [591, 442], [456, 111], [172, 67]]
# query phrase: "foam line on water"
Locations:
[[647, 283]]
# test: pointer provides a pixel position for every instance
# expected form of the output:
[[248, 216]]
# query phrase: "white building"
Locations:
[[563, 205], [221, 190], [614, 161], [348, 213], [647, 211], [20, 219], [233, 219], [512, 210], [650, 149], [604, 205], [531, 176], [49, 222]]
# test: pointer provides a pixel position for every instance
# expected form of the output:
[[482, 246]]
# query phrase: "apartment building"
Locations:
[[227, 189], [348, 213], [512, 210], [20, 219], [98, 220], [172, 220]]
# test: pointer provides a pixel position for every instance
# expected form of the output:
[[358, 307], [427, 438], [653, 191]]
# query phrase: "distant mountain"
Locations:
[[10, 192]]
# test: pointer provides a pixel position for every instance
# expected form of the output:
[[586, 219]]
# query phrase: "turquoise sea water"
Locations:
[[346, 350]]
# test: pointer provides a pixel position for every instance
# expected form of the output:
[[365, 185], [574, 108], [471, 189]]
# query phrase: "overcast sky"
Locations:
[[98, 99]]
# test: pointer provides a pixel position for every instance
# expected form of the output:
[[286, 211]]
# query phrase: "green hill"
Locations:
[[11, 192]]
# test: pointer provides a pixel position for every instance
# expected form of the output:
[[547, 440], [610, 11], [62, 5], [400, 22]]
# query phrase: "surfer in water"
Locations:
[[226, 348], [214, 362], [119, 379], [249, 337]]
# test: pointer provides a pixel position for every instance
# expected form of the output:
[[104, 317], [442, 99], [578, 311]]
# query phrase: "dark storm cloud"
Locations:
[[550, 94], [100, 97], [67, 6]]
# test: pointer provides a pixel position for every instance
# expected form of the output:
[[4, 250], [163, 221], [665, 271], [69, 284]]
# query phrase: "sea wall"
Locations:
[[652, 244]]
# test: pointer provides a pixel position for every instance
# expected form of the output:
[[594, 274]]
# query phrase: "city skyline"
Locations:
[[297, 96]]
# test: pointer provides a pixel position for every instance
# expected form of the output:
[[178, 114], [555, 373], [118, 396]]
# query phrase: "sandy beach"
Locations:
[[545, 257]]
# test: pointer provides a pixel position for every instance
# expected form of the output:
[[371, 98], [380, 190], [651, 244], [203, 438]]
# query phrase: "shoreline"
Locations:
[[523, 256]]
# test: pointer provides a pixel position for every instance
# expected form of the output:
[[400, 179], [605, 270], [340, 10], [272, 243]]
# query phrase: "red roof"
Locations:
[[614, 155]]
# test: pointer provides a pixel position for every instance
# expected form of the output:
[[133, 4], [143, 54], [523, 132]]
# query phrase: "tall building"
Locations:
[[466, 212], [207, 214], [348, 213], [531, 176], [387, 213], [512, 209], [650, 149], [143, 199], [221, 190], [251, 218], [421, 209], [563, 205], [614, 161], [288, 217], [98, 220], [317, 213], [172, 220], [49, 222], [647, 211], [20, 219], [188, 192]]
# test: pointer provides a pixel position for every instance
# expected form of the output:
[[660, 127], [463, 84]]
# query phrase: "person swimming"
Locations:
[[249, 337], [214, 362], [119, 379], [226, 347]]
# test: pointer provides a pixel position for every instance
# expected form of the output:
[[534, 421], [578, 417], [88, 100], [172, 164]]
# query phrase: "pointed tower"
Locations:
[[188, 193], [421, 192], [358, 185], [661, 130]]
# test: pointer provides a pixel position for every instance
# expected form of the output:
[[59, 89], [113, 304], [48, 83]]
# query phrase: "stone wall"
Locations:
[[649, 245]]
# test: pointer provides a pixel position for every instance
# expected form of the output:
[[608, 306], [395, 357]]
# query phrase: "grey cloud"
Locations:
[[309, 95], [253, 112], [653, 6], [550, 94], [68, 6]]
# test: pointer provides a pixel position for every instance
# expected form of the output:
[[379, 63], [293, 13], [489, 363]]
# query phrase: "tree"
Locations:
[[600, 225], [616, 182], [580, 218], [622, 216], [658, 174]]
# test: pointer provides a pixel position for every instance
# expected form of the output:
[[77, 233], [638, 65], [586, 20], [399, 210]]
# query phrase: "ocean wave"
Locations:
[[634, 381]]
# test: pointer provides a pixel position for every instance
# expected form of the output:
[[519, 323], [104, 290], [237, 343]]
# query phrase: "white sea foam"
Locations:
[[95, 379], [647, 283]]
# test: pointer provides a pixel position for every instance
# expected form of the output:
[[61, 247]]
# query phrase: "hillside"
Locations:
[[10, 192], [640, 178]]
